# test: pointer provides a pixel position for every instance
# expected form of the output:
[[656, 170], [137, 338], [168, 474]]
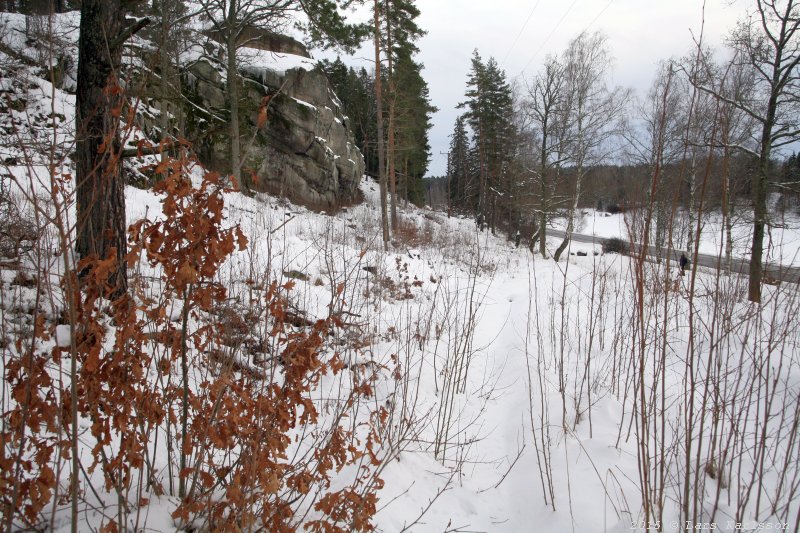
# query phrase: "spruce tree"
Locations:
[[458, 169], [500, 137], [489, 115], [412, 122]]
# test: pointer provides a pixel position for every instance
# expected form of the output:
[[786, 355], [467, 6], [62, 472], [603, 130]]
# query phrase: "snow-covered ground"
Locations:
[[516, 455]]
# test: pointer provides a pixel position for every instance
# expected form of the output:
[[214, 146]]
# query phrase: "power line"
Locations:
[[555, 28], [599, 15], [524, 25], [564, 16]]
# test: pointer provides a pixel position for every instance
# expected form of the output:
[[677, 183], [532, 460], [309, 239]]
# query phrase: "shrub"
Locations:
[[18, 230], [229, 426], [615, 245]]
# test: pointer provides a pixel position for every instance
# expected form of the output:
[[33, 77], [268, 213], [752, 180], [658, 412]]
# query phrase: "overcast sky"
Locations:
[[520, 34]]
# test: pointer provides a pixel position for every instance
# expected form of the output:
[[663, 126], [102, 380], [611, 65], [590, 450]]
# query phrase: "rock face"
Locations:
[[261, 39], [304, 150]]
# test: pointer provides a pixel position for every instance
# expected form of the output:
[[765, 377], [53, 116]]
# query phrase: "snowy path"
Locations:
[[501, 490]]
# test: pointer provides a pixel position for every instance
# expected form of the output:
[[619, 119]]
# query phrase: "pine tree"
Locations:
[[380, 126], [404, 102], [100, 188], [401, 32]]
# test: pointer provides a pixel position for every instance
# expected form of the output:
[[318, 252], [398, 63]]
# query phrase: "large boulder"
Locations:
[[304, 150]]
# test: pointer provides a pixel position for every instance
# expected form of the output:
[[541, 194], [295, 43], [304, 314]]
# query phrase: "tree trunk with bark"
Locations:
[[390, 150], [232, 73], [101, 228], [381, 148], [544, 206]]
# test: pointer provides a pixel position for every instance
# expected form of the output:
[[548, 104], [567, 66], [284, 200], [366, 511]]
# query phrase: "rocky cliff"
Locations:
[[304, 150]]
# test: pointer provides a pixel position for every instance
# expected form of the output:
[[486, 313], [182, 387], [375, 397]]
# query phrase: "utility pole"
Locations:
[[449, 206]]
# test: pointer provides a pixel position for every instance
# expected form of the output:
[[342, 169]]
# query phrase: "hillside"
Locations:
[[276, 368]]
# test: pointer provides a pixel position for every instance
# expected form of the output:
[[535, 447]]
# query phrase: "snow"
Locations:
[[487, 479], [593, 476], [274, 61], [63, 336], [493, 418], [305, 104]]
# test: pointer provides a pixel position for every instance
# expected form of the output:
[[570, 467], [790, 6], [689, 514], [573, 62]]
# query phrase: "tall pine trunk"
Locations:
[[381, 151], [405, 181], [482, 176], [390, 151], [100, 189], [390, 154]]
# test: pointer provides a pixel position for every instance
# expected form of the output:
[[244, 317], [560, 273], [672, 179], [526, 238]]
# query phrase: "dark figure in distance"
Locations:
[[683, 261]]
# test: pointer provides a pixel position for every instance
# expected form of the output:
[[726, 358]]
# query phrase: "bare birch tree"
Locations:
[[734, 81], [595, 110], [544, 105], [767, 42]]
